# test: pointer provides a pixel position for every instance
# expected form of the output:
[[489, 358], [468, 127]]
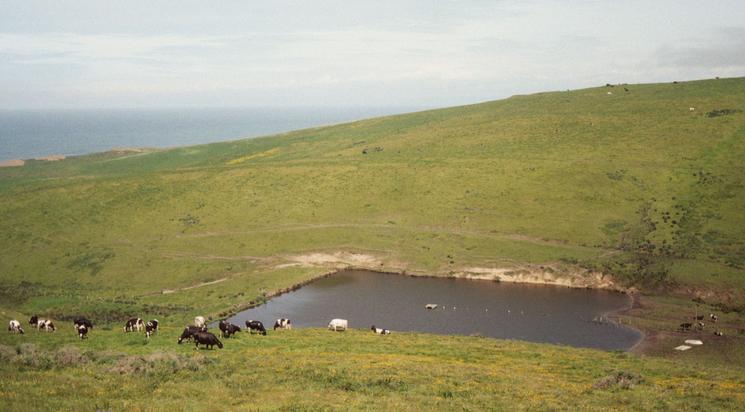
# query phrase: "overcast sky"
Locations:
[[86, 54]]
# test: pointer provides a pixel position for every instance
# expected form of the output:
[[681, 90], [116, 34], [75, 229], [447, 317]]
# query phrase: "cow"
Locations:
[[14, 326], [82, 321], [714, 318], [700, 325], [228, 329], [134, 323], [699, 317], [282, 324], [338, 325], [255, 325], [685, 326], [34, 321], [207, 339], [718, 333], [199, 321], [431, 306], [380, 331], [82, 331], [151, 327], [47, 325], [189, 332]]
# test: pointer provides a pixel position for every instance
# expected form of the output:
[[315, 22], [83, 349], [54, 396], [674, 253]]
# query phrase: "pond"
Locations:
[[536, 313]]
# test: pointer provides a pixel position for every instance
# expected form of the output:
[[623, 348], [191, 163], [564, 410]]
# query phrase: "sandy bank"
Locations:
[[12, 163]]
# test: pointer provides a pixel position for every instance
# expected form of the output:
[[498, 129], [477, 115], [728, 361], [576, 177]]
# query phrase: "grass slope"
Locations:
[[631, 183], [316, 369]]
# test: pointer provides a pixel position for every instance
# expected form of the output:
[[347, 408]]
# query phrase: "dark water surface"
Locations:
[[535, 313]]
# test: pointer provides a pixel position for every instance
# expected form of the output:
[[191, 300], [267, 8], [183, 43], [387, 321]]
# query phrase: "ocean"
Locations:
[[30, 134]]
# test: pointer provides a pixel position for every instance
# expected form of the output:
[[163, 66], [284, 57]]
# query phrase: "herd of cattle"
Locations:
[[699, 324], [197, 333]]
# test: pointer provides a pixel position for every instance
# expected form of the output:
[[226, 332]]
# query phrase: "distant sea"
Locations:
[[29, 134]]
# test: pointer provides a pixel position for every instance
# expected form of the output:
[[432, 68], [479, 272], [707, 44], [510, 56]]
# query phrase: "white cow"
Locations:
[[199, 321], [339, 325], [14, 326]]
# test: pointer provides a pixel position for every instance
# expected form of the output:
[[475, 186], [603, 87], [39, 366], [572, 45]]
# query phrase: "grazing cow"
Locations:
[[151, 327], [380, 331], [34, 321], [134, 323], [699, 317], [83, 321], [685, 326], [255, 325], [47, 325], [189, 332], [714, 318], [14, 326], [228, 329], [338, 325], [700, 325], [207, 339], [199, 321], [82, 331], [282, 324], [719, 333]]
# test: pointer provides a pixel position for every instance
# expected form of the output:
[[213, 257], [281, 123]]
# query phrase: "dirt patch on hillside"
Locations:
[[544, 275], [51, 158], [337, 260]]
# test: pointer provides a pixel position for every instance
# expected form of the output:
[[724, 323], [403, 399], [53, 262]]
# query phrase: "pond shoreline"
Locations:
[[610, 317]]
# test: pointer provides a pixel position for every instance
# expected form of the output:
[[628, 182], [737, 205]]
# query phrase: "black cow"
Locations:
[[255, 325], [189, 332], [34, 321], [207, 339], [134, 323], [685, 326], [82, 321], [699, 317], [82, 331], [228, 329]]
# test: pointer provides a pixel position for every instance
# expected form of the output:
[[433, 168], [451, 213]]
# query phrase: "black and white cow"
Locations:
[[134, 323], [14, 326], [282, 324], [714, 318], [380, 331], [255, 326], [228, 329], [207, 339], [82, 331], [83, 321], [46, 325], [34, 321], [151, 327], [189, 332]]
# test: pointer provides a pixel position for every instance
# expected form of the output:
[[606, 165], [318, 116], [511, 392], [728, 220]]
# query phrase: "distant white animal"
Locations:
[[14, 326], [199, 321], [691, 109], [430, 306], [339, 325], [609, 93]]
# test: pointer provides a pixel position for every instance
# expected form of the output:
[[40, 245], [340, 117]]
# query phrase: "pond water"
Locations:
[[536, 313]]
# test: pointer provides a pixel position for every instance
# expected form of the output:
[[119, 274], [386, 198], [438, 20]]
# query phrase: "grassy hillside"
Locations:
[[315, 369], [632, 184]]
